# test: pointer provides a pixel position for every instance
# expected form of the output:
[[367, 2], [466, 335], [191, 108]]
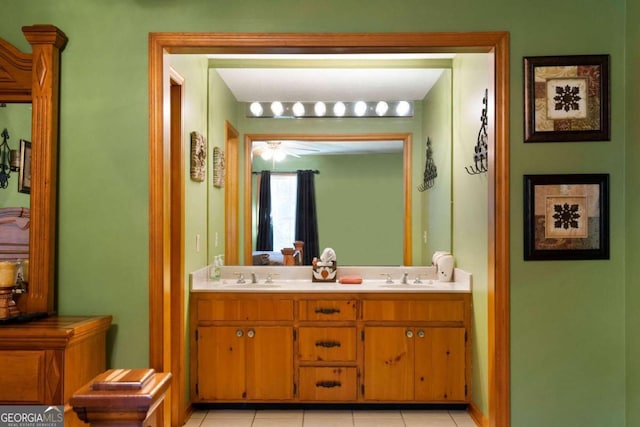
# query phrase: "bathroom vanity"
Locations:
[[293, 341]]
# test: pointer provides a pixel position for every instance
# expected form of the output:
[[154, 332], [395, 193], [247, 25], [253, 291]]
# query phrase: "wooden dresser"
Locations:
[[45, 361]]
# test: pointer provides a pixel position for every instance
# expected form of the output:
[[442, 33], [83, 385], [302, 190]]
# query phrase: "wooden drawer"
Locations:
[[327, 310], [407, 310], [327, 344], [23, 376], [328, 384], [245, 309]]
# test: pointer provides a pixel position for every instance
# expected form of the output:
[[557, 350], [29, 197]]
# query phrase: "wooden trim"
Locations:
[[406, 179], [456, 42], [478, 417], [231, 194], [177, 308], [499, 261]]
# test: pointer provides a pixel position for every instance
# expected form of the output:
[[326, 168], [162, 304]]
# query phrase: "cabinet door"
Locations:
[[221, 363], [269, 373], [388, 363], [440, 364]]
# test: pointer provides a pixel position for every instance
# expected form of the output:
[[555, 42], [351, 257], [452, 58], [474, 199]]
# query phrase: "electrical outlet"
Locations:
[[197, 243], [215, 239], [424, 236]]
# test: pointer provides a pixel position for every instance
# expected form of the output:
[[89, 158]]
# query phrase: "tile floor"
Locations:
[[330, 418]]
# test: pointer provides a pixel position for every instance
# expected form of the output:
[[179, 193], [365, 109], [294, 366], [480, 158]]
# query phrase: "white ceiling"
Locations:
[[307, 84], [329, 84]]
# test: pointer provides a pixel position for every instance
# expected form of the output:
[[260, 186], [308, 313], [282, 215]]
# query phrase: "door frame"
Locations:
[[496, 43]]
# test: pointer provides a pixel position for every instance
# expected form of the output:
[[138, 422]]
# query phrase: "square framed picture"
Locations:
[[566, 217], [24, 179], [566, 98]]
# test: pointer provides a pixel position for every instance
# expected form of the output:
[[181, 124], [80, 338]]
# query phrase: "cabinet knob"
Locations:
[[420, 333], [251, 333], [239, 333], [409, 333]]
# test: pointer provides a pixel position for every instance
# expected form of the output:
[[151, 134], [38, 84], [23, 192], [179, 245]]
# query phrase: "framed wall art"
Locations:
[[24, 178], [566, 98], [566, 217], [198, 156]]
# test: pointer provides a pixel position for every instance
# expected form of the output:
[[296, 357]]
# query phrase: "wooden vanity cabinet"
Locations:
[[331, 348], [244, 349], [417, 350]]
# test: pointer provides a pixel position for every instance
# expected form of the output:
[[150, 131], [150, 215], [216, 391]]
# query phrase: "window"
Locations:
[[283, 209]]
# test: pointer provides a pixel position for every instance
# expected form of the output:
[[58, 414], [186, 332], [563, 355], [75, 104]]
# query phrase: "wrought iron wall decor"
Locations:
[[480, 155], [198, 156], [430, 170], [5, 160]]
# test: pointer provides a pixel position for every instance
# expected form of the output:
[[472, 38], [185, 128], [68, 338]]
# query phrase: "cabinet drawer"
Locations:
[[23, 376], [327, 344], [328, 384], [327, 310], [405, 310], [245, 309]]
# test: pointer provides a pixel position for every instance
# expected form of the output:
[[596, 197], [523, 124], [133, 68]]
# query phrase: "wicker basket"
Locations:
[[8, 272]]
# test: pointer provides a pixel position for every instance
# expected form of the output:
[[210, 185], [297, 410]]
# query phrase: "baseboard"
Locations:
[[477, 416]]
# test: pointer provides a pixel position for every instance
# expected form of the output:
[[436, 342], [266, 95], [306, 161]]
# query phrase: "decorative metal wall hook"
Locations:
[[430, 170], [480, 156]]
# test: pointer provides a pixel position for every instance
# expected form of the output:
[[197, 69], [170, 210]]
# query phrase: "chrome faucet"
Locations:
[[417, 279], [389, 279], [405, 276], [240, 278]]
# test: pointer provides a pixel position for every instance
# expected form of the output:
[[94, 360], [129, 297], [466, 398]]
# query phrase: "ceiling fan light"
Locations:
[[279, 155], [276, 108], [382, 108], [298, 109], [339, 109], [360, 108], [403, 108], [256, 109], [267, 154], [320, 108]]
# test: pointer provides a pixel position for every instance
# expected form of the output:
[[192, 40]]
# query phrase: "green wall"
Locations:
[[568, 318], [632, 230], [436, 201], [358, 204]]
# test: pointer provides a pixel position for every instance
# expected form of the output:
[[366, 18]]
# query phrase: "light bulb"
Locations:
[[360, 108], [267, 154], [298, 109], [339, 109], [381, 108], [320, 109], [403, 108], [276, 108], [256, 109]]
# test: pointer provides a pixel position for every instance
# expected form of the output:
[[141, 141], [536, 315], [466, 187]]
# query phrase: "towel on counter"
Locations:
[[352, 279]]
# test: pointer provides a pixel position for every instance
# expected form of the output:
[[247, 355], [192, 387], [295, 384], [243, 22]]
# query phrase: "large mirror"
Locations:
[[30, 91], [417, 223]]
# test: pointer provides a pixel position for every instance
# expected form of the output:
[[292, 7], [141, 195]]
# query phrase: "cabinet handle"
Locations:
[[328, 344], [328, 384], [239, 333], [420, 333], [251, 333], [331, 310], [409, 333]]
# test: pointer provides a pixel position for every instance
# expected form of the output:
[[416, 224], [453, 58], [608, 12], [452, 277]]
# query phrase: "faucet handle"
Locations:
[[240, 277], [389, 279], [270, 277], [417, 279]]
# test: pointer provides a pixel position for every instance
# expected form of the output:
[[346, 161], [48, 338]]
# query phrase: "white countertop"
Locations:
[[298, 279]]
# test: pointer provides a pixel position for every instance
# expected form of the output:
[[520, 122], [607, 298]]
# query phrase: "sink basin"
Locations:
[[252, 285], [406, 286]]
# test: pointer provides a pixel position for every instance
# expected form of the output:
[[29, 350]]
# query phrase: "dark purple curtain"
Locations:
[[306, 219], [264, 241]]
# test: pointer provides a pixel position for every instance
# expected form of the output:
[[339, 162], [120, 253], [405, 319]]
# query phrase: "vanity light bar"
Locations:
[[339, 109]]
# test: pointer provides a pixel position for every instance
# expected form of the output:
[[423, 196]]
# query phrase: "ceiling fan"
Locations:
[[277, 151]]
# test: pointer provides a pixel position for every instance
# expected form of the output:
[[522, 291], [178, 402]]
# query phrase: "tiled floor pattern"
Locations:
[[329, 418]]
